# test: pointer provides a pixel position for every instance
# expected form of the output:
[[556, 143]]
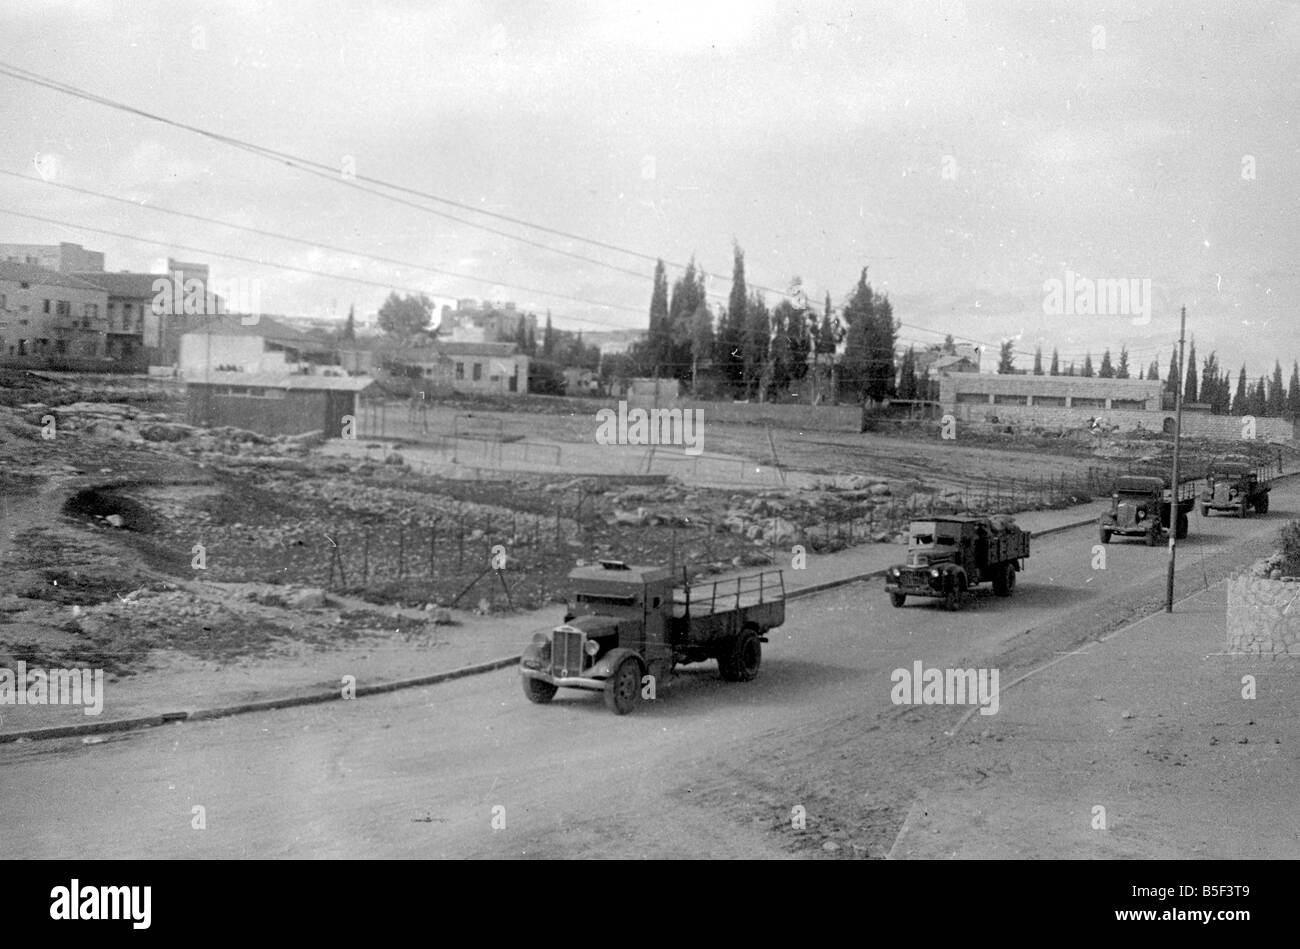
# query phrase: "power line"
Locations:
[[299, 240], [297, 269], [332, 174]]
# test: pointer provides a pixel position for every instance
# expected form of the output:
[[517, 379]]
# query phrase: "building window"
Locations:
[[1078, 402], [4, 301], [1000, 399], [1131, 405], [460, 370], [1050, 401], [478, 372], [979, 398], [47, 306], [92, 311]]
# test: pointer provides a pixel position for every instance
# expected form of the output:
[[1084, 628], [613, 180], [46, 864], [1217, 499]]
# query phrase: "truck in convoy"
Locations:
[[1143, 505], [1237, 484], [626, 623], [948, 556]]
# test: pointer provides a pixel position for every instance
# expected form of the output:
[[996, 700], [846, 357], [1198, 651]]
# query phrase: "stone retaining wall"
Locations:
[[1264, 617]]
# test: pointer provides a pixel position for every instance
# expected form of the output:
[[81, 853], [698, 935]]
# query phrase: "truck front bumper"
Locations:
[[564, 682], [914, 583]]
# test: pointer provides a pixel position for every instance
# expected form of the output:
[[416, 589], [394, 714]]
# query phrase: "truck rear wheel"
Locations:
[[538, 690], [741, 662], [1182, 527], [1261, 506], [1105, 535], [898, 599], [623, 688], [1153, 537], [1004, 584], [1205, 510]]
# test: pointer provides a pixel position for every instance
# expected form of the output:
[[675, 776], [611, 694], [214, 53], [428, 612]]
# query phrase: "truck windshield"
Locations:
[[926, 540], [608, 599]]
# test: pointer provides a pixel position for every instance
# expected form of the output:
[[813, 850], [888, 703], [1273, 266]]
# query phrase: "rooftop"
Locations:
[[123, 284], [30, 273], [295, 381]]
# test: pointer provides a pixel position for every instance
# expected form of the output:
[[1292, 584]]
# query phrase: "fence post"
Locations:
[[401, 550], [433, 548]]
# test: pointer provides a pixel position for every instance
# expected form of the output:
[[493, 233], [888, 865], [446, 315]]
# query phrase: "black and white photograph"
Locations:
[[686, 431]]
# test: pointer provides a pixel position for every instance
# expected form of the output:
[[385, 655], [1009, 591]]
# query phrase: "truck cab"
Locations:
[[1236, 485], [1143, 506]]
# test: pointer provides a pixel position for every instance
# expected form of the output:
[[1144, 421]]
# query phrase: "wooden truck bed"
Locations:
[[718, 608], [1008, 545]]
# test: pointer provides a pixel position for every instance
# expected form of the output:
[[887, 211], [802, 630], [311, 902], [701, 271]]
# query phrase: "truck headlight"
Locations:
[[934, 573], [896, 572], [592, 647], [540, 639]]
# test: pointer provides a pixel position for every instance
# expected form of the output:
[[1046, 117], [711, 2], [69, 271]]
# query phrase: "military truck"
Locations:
[[1236, 484], [948, 556], [1143, 505], [628, 622]]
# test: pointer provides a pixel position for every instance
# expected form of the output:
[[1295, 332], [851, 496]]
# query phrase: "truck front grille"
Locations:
[[567, 652]]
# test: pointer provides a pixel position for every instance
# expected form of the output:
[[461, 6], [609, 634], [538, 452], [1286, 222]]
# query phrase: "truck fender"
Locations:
[[605, 666], [954, 576]]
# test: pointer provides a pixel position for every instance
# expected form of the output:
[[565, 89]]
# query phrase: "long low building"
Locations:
[[275, 404], [1070, 401], [1074, 393]]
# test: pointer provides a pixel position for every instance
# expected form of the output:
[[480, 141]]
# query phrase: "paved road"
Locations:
[[707, 770]]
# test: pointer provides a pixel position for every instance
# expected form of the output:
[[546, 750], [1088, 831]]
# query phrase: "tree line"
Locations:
[[757, 351]]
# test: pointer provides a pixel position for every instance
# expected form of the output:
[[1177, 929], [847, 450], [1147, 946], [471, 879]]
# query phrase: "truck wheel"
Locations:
[[1261, 506], [1105, 536], [743, 659], [1241, 509], [1153, 538], [1004, 584], [1182, 527], [1205, 510], [538, 691], [898, 599], [623, 688]]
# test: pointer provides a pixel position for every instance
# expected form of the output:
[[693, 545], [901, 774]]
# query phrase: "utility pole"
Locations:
[[1173, 495]]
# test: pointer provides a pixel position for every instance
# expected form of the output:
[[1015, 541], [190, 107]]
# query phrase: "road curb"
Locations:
[[260, 705]]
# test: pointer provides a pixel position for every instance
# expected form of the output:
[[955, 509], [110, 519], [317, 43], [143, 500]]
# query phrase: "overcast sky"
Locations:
[[966, 152]]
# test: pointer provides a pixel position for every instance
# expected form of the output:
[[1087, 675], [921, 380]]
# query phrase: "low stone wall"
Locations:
[[1264, 617], [1195, 424]]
